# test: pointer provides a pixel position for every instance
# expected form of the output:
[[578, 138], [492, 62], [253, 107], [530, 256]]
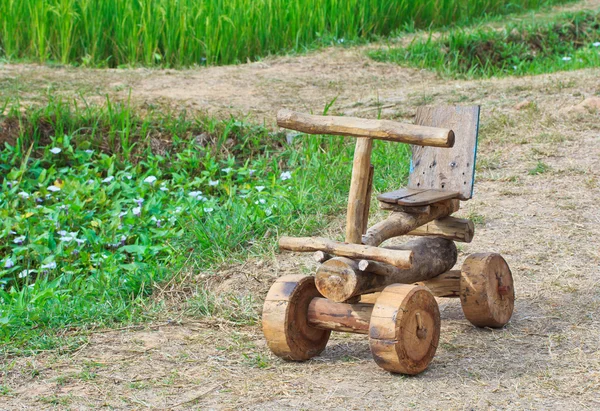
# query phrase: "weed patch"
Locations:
[[570, 42], [540, 168]]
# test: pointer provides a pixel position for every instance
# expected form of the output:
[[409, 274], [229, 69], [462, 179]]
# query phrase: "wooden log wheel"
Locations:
[[285, 321], [389, 293], [487, 294], [404, 329]]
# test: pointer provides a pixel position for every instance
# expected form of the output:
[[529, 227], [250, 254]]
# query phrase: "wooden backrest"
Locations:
[[448, 169]]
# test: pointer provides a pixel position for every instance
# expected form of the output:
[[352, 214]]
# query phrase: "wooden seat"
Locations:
[[411, 197], [438, 174]]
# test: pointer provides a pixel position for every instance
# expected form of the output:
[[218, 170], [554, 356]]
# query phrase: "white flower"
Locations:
[[90, 182], [137, 211], [566, 58], [286, 175], [49, 266], [262, 201], [23, 194], [596, 44], [66, 238], [139, 201], [89, 151], [55, 150], [195, 194], [122, 213], [80, 240], [128, 176], [108, 179], [178, 210], [62, 232], [259, 188], [9, 263], [163, 188], [213, 183], [227, 170], [251, 171], [150, 179], [25, 273], [208, 210], [19, 240], [54, 189]]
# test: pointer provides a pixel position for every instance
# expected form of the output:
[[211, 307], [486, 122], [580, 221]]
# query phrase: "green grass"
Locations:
[[568, 42], [98, 204], [540, 168], [178, 33]]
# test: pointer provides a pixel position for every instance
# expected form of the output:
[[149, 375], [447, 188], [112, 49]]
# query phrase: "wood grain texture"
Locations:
[[285, 319], [321, 257], [360, 127], [399, 258], [444, 285], [412, 198], [487, 292], [328, 315], [340, 279], [367, 208], [447, 169], [405, 329], [358, 199], [405, 209], [400, 223], [452, 228]]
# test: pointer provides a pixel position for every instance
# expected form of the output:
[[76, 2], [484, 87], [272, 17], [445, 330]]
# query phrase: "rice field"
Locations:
[[176, 33]]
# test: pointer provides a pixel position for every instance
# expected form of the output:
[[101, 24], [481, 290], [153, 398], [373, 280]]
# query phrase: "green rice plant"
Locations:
[[568, 42], [94, 211], [178, 33]]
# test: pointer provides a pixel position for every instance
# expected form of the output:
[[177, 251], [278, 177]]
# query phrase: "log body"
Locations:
[[400, 223], [328, 315], [358, 199], [399, 258], [360, 127], [340, 279]]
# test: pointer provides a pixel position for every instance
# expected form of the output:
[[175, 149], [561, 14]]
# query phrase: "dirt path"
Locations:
[[547, 226]]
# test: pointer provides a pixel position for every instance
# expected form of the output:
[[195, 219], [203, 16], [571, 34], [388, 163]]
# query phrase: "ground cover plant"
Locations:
[[568, 42], [187, 32], [99, 203]]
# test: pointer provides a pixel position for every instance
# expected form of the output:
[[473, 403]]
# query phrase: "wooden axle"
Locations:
[[340, 279], [444, 285], [360, 127], [329, 315], [398, 258], [401, 223]]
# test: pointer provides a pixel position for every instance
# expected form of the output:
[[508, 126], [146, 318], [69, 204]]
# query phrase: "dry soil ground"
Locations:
[[546, 224]]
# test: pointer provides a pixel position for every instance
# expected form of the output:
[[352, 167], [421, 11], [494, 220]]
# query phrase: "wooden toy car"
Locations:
[[389, 292]]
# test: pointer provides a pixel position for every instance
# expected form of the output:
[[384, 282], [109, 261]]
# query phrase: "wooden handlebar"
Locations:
[[360, 127]]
